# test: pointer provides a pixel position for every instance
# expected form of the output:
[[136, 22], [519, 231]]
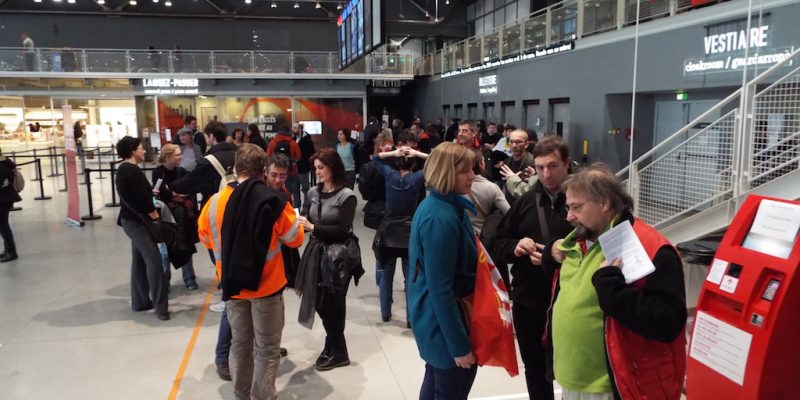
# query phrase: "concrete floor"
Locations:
[[67, 330]]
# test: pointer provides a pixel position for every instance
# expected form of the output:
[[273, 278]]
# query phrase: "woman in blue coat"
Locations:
[[443, 256]]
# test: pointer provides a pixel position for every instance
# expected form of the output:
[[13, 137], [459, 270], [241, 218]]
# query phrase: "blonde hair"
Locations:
[[443, 164], [166, 151]]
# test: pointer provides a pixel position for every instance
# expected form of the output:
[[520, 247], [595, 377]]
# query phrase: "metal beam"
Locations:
[[117, 13], [217, 7], [420, 7]]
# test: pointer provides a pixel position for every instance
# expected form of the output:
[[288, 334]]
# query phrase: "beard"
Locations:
[[584, 232]]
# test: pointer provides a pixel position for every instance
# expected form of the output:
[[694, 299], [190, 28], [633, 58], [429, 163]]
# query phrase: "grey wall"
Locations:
[[598, 82], [165, 33]]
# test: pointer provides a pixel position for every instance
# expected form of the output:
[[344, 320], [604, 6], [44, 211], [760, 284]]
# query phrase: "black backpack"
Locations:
[[285, 148]]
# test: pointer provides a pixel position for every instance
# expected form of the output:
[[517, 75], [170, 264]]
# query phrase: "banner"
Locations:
[[70, 151], [491, 329]]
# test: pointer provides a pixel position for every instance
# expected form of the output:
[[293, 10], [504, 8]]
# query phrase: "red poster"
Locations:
[[70, 151]]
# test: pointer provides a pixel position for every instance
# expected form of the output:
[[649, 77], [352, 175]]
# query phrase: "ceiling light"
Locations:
[[296, 5], [168, 3], [39, 1], [248, 1], [427, 14], [318, 5], [132, 2], [339, 6], [155, 1], [101, 2], [71, 1], [274, 5], [57, 1], [447, 2]]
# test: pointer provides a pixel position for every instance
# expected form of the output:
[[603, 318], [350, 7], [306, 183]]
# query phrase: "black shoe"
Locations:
[[224, 372], [386, 318], [192, 285], [284, 352], [163, 317], [8, 257], [322, 357], [329, 363]]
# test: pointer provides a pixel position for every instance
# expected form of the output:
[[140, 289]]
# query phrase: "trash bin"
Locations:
[[697, 256]]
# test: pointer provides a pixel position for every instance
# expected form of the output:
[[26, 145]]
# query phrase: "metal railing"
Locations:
[[705, 166], [561, 22], [50, 61]]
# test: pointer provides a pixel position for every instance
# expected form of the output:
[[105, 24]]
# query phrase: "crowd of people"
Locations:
[[432, 192]]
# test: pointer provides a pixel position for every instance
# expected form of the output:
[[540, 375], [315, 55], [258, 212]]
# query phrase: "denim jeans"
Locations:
[[224, 338], [447, 384], [385, 280], [187, 270], [257, 326]]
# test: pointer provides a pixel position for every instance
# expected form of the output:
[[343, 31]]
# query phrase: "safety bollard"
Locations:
[[41, 181], [38, 177], [113, 203], [91, 216], [99, 155]]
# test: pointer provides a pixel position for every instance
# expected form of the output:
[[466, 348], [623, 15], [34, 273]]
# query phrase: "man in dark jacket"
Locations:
[[537, 217], [307, 150], [190, 125], [610, 338], [205, 179]]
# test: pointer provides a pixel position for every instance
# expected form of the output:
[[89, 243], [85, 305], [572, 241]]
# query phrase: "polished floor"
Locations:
[[67, 330]]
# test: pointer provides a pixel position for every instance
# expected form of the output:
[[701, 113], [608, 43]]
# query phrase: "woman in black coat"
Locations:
[[183, 208], [149, 282], [8, 196]]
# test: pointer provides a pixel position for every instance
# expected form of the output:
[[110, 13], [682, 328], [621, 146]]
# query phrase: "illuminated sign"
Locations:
[[554, 49], [166, 86], [736, 40], [487, 85]]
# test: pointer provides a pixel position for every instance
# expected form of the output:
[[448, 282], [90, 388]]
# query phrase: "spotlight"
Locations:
[[168, 3], [447, 2], [274, 5], [132, 2], [71, 1], [101, 2], [248, 1], [56, 1], [318, 5], [155, 1], [37, 1], [338, 6], [296, 5]]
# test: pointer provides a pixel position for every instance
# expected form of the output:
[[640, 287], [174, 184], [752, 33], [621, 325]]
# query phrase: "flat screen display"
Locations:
[[360, 30], [312, 127]]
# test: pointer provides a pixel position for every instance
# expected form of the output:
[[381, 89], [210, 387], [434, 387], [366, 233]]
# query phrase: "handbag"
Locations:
[[343, 260], [160, 231]]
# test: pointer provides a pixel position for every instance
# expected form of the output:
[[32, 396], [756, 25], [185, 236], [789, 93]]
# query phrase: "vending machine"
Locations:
[[746, 338]]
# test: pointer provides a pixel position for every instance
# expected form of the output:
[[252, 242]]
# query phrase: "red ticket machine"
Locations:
[[746, 338]]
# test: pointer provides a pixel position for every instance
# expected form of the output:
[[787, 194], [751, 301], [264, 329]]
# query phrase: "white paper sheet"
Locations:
[[717, 271], [621, 241], [777, 220], [720, 346]]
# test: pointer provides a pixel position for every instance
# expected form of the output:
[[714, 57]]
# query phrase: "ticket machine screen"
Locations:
[[775, 229]]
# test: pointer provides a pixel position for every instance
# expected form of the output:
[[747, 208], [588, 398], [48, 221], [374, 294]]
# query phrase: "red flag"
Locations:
[[491, 329]]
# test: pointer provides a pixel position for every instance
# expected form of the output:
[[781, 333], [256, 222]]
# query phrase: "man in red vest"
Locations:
[[611, 339]]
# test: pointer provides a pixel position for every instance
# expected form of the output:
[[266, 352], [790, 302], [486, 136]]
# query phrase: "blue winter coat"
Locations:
[[443, 257]]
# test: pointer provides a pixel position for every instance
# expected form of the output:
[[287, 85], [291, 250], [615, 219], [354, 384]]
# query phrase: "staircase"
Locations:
[[692, 184]]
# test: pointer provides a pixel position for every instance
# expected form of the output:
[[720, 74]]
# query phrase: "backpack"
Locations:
[[284, 147], [19, 180], [226, 177]]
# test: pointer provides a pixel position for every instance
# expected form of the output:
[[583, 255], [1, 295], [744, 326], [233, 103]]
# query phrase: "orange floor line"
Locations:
[[187, 355]]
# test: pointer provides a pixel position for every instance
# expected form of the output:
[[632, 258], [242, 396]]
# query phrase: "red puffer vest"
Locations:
[[645, 369]]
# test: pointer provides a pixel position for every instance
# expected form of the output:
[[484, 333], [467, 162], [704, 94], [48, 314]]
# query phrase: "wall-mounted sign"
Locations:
[[553, 49], [168, 86], [487, 85], [725, 44]]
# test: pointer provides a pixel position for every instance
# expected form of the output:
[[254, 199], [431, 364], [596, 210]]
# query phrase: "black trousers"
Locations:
[[332, 310], [5, 230], [529, 323]]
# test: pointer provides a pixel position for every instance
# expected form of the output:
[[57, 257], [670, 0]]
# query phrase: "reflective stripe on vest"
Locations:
[[291, 234], [212, 216]]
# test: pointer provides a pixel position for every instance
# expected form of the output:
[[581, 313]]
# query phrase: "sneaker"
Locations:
[[192, 285], [8, 257], [217, 307], [224, 372]]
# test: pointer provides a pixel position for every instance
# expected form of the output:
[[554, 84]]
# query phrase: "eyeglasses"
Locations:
[[273, 175]]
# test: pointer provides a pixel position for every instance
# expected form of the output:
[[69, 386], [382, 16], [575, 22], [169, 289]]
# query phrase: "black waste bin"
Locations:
[[697, 256]]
